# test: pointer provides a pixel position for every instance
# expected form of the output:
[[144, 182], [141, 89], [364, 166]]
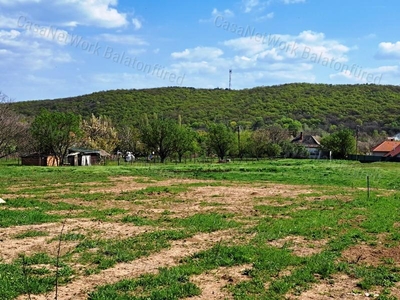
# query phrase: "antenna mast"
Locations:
[[230, 78]]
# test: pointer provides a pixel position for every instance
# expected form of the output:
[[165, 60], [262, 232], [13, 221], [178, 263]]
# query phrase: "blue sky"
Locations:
[[60, 48]]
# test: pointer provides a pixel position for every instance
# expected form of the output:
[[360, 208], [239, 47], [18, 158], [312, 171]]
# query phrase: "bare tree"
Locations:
[[13, 129], [277, 134], [129, 140]]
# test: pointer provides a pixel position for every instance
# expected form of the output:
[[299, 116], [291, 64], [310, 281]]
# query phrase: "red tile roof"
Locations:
[[394, 152], [386, 146]]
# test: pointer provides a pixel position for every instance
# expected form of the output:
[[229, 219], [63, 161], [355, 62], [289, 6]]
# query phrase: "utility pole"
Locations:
[[230, 78], [357, 132], [239, 150]]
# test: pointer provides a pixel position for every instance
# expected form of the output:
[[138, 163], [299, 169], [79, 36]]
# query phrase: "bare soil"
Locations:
[[340, 286], [239, 199], [299, 245]]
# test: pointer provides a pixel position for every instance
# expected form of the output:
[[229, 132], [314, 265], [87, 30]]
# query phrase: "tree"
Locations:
[[13, 131], [294, 150], [159, 135], [273, 150], [259, 142], [220, 139], [129, 140], [99, 133], [341, 143], [277, 134], [184, 140], [55, 132], [293, 126]]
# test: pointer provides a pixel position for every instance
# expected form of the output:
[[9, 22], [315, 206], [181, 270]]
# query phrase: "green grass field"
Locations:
[[273, 229]]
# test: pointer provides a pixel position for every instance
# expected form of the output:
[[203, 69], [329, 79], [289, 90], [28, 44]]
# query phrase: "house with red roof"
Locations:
[[388, 148]]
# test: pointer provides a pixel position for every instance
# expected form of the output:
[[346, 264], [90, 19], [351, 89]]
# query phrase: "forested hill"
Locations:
[[317, 105]]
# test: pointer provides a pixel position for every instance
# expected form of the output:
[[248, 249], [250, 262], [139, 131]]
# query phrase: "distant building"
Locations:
[[39, 159], [85, 157], [385, 148], [311, 143]]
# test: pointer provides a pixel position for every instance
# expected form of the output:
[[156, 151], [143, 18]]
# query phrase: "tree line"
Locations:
[[322, 107], [54, 132]]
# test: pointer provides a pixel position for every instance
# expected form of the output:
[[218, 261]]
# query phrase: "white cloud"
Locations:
[[48, 33], [248, 45], [310, 36], [266, 17], [136, 23], [249, 5], [27, 53], [198, 53], [259, 59], [307, 45], [7, 22], [388, 50], [253, 64], [12, 34], [227, 13], [100, 12], [356, 73]]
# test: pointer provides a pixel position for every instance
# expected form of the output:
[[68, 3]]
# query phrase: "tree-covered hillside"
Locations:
[[315, 105]]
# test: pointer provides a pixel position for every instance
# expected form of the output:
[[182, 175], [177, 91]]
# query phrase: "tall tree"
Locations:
[[99, 133], [220, 139], [13, 130], [260, 139], [184, 140], [341, 143], [55, 132], [159, 135]]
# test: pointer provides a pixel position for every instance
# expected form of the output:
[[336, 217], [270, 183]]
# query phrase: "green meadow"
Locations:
[[268, 229]]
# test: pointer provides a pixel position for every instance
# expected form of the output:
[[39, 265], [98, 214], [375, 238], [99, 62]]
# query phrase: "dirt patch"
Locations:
[[246, 191], [213, 283], [126, 184], [395, 291], [299, 245], [340, 286], [239, 199], [372, 255], [11, 247], [204, 199], [80, 287]]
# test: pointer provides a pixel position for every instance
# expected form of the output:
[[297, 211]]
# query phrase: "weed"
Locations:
[[29, 234]]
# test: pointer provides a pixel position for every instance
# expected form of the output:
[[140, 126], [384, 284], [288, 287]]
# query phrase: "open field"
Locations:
[[279, 229]]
